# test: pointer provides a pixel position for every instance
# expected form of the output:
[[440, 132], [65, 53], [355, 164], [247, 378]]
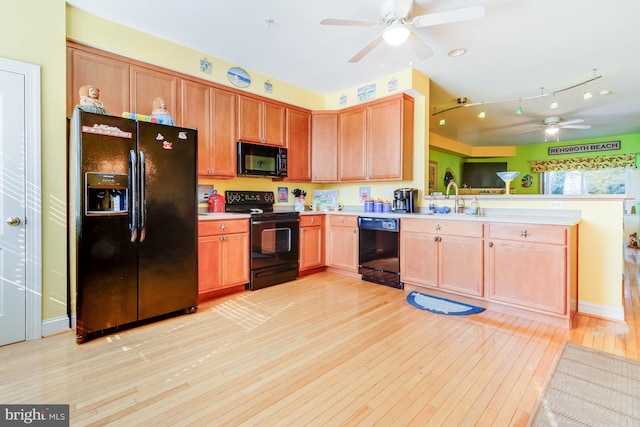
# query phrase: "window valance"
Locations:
[[585, 163]]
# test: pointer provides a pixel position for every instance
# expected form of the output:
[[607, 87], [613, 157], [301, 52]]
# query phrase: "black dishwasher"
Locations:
[[378, 257]]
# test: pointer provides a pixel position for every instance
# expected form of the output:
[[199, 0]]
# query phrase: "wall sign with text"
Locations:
[[585, 148]]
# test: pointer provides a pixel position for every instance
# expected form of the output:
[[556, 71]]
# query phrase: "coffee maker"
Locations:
[[405, 200]]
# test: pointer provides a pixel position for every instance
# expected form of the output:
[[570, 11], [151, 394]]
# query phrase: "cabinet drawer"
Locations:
[[534, 233], [226, 226], [450, 228], [344, 220], [311, 220]]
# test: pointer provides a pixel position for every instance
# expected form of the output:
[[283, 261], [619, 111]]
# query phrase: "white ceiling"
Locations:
[[517, 48]]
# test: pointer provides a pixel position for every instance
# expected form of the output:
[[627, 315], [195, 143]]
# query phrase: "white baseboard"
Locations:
[[55, 325], [599, 310]]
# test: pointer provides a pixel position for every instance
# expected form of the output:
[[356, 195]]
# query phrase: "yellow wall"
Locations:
[[33, 31]]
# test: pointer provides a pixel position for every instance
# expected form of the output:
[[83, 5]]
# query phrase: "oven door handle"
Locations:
[[275, 221]]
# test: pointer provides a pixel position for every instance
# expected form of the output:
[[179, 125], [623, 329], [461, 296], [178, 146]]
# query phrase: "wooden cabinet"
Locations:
[[212, 111], [223, 254], [109, 75], [299, 144], [352, 140], [261, 121], [324, 146], [442, 254], [375, 141], [311, 242], [390, 139], [342, 242], [147, 84], [532, 266]]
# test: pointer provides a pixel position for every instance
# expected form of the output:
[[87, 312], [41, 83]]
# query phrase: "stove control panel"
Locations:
[[249, 197]]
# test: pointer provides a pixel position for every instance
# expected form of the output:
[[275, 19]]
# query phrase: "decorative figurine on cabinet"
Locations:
[[160, 112], [90, 100]]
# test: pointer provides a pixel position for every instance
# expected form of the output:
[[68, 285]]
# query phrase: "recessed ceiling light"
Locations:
[[457, 52]]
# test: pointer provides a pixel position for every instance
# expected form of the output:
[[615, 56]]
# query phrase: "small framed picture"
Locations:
[[205, 66], [283, 194], [433, 176]]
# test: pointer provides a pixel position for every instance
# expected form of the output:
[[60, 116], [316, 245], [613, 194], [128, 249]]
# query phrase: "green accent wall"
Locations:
[[524, 154]]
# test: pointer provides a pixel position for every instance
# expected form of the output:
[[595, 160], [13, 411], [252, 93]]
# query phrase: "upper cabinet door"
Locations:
[[196, 113], [324, 146], [223, 138], [274, 131], [390, 139], [109, 75], [352, 131], [250, 118], [147, 85], [299, 144]]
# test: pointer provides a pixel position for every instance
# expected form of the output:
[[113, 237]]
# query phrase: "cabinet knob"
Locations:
[[438, 227], [523, 233], [341, 220], [223, 226], [435, 239], [490, 244], [311, 220]]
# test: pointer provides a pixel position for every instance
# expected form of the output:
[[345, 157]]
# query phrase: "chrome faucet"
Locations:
[[458, 204]]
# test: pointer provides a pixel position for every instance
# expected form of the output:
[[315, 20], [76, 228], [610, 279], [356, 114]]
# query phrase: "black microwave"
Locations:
[[261, 160]]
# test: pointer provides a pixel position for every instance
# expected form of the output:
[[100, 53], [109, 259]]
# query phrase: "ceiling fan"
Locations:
[[397, 23], [552, 126]]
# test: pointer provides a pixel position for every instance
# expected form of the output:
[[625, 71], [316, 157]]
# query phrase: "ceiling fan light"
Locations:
[[442, 122], [554, 105], [396, 34], [552, 130], [587, 95], [482, 115]]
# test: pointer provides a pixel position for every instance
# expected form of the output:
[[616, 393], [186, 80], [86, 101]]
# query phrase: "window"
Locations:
[[601, 181]]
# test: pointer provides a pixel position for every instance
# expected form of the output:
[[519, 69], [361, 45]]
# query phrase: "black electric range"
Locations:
[[275, 237]]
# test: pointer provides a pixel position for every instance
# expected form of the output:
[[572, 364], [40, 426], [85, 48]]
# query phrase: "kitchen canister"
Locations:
[[368, 205], [377, 206], [386, 207]]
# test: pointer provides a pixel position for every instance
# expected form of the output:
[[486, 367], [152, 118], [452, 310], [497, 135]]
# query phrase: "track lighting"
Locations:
[[464, 102], [519, 110], [442, 121]]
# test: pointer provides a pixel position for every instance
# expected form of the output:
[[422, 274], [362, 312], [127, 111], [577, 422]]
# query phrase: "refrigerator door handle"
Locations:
[[143, 198], [133, 226]]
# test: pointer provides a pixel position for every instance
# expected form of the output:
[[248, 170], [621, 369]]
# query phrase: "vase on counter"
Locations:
[[298, 204]]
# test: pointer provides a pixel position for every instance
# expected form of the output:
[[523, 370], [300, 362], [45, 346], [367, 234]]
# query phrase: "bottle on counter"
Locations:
[[432, 204], [474, 207]]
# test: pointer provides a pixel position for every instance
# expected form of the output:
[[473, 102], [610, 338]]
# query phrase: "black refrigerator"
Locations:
[[133, 213]]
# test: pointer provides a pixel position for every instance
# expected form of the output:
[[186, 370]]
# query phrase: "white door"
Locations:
[[12, 208]]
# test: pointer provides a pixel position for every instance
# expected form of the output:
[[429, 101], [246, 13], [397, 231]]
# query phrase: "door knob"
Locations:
[[13, 221]]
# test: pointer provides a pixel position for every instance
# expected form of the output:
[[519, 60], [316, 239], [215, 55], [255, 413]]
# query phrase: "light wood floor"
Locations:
[[325, 350]]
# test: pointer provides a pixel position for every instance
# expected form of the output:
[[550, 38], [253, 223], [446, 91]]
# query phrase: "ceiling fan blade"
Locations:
[[349, 22], [419, 47], [575, 126], [530, 130], [365, 50], [449, 16], [571, 122], [402, 7]]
